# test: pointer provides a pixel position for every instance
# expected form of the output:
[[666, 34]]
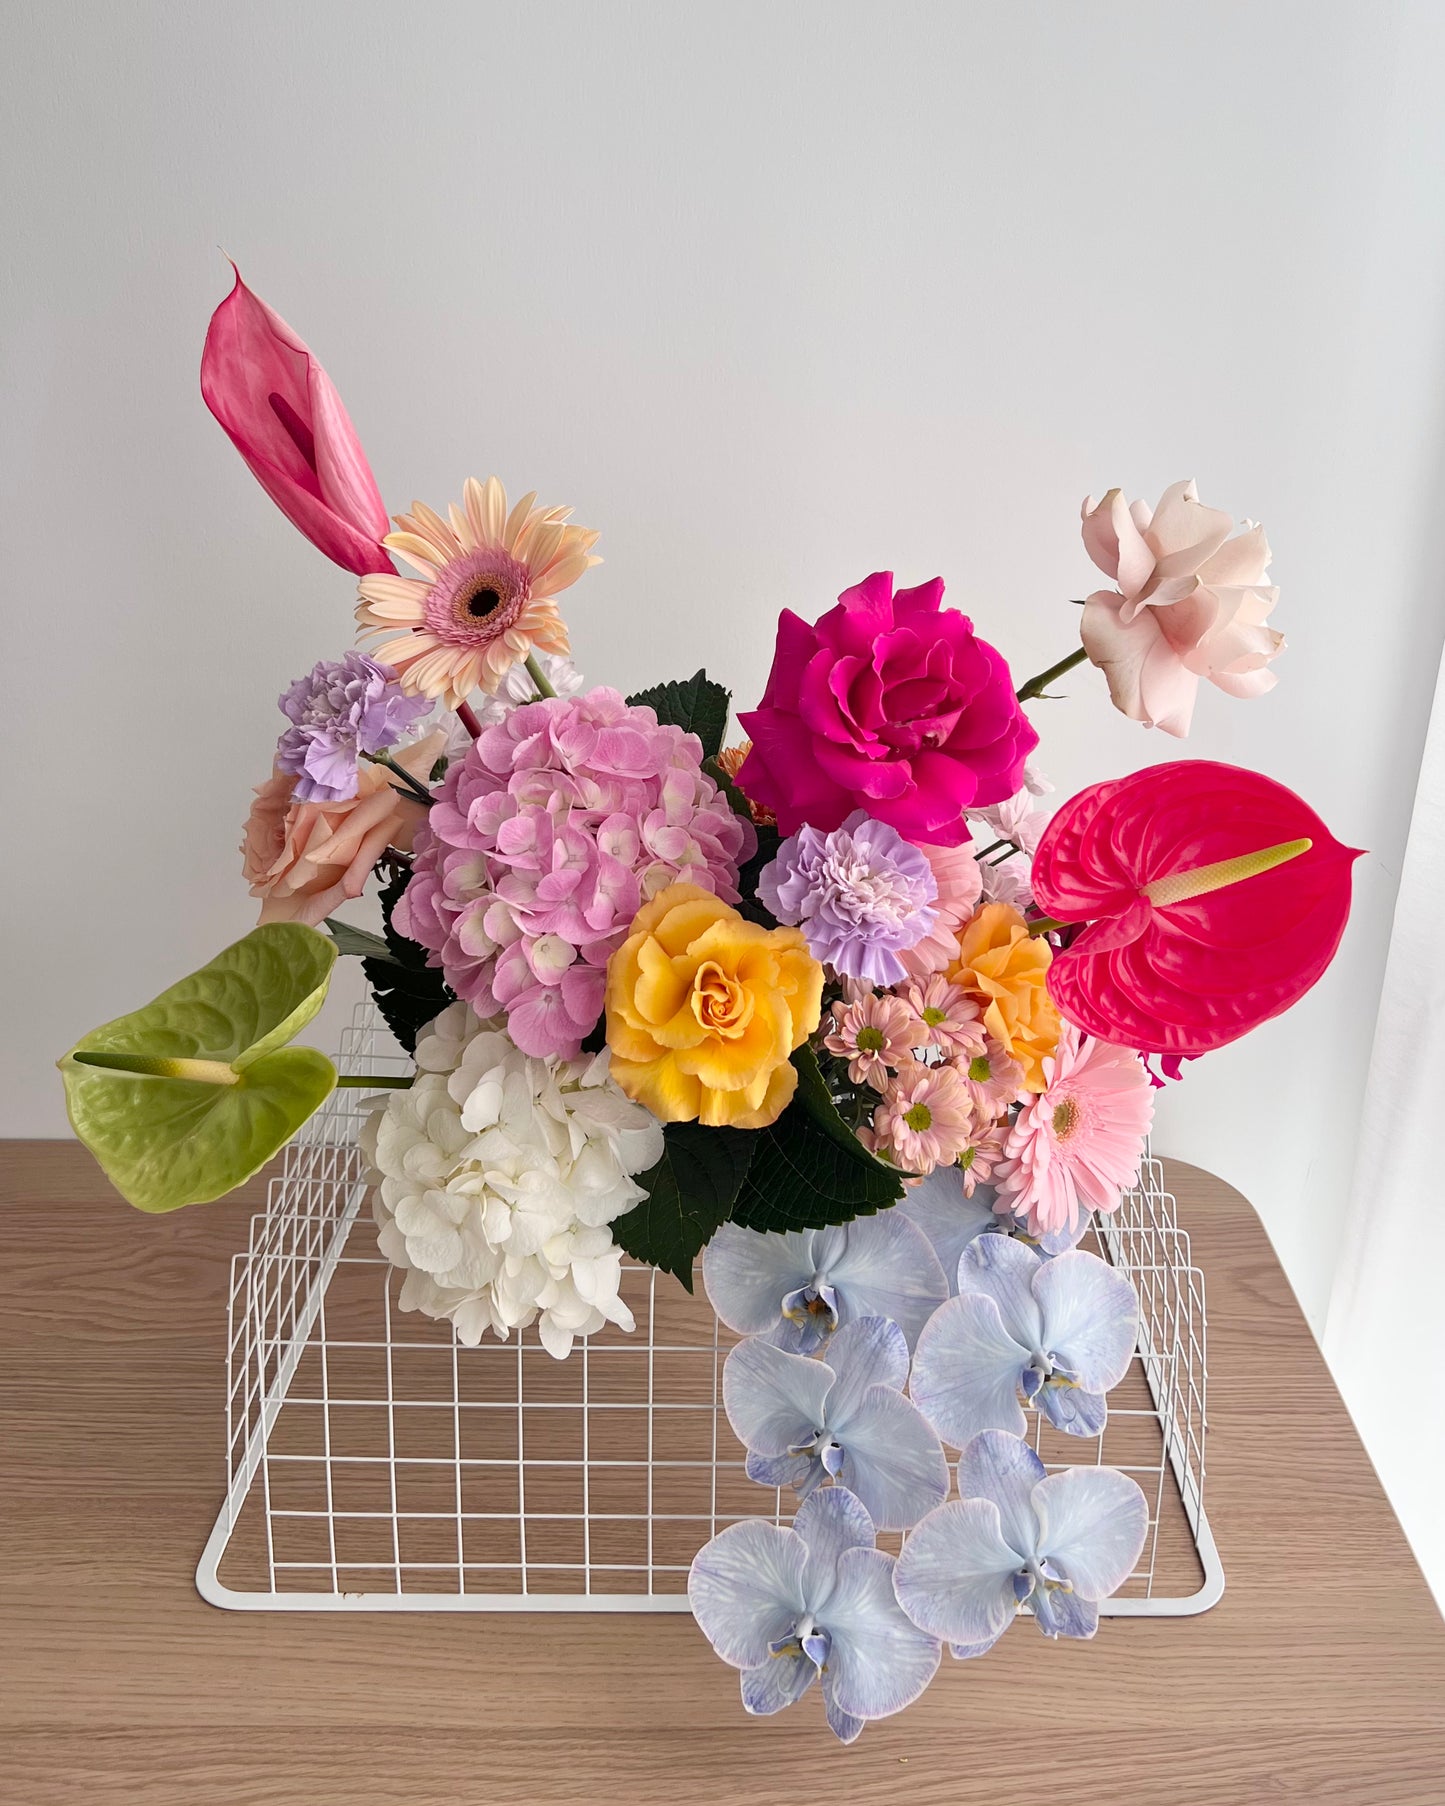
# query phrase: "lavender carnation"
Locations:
[[862, 895], [339, 711], [562, 819]]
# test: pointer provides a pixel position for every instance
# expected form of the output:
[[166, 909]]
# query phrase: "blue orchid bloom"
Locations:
[[842, 1418], [812, 1603], [952, 1220], [1019, 1539], [1054, 1333], [797, 1288]]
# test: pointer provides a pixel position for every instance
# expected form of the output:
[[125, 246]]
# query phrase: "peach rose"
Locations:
[[304, 859], [1006, 969], [1191, 602]]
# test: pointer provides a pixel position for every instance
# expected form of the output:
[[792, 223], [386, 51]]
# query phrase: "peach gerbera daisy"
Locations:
[[487, 596]]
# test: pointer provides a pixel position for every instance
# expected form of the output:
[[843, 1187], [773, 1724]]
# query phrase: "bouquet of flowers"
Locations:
[[842, 1010]]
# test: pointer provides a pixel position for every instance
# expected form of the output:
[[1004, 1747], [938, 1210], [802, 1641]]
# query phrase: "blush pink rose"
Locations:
[[305, 859], [1191, 602], [960, 886], [891, 704]]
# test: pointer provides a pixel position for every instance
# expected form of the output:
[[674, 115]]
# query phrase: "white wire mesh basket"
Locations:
[[376, 1464]]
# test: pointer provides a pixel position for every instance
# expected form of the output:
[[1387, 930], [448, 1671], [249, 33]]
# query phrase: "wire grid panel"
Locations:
[[375, 1463]]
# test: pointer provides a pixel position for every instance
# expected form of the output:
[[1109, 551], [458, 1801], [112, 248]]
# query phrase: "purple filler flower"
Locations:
[[862, 895], [339, 711]]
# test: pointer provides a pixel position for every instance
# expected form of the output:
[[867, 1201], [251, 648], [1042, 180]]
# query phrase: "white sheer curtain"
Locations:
[[1385, 1333]]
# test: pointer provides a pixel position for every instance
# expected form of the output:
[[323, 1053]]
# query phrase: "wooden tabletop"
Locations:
[[1320, 1676]]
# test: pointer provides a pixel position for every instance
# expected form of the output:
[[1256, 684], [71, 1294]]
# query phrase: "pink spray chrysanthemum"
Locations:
[[979, 1160], [543, 843], [947, 1017], [874, 1033], [991, 1076], [925, 1119], [1077, 1144]]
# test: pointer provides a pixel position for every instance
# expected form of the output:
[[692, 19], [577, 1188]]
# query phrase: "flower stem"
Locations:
[[538, 677], [418, 790], [1037, 685], [363, 1081], [467, 715], [994, 848], [1047, 925]]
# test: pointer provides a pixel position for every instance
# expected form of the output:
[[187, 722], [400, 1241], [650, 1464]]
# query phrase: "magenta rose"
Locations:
[[889, 703]]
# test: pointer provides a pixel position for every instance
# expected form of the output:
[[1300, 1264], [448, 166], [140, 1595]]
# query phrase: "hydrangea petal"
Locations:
[[966, 1371], [1004, 1470], [880, 1661], [892, 1459], [1001, 1268], [1090, 1318], [774, 1401], [1092, 1526], [955, 1575], [745, 1588]]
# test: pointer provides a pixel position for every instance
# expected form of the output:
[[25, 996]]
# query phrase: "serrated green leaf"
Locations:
[[360, 943], [809, 1170], [695, 704], [408, 992], [690, 1194], [167, 1140]]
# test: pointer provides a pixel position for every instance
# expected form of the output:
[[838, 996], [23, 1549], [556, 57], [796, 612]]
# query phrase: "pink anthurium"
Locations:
[[283, 415], [1214, 899]]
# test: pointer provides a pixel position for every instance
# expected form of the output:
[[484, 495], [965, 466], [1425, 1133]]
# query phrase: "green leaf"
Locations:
[[696, 705], [769, 841], [360, 942], [168, 1140], [408, 992], [809, 1170], [689, 1196]]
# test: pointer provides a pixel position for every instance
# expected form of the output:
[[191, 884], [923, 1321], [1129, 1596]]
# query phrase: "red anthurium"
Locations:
[[282, 414], [1215, 898]]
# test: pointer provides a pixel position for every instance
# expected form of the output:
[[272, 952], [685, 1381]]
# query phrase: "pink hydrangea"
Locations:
[[545, 840]]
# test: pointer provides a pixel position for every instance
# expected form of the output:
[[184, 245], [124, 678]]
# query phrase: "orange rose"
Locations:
[[1006, 969], [704, 1010], [303, 859]]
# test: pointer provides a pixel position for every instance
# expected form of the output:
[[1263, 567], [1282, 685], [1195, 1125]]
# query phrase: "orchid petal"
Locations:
[[1004, 1470], [880, 1661], [955, 1576], [781, 1470], [1060, 1613], [1005, 1270], [747, 1275], [966, 1371], [1090, 1318], [1070, 1409], [745, 1588], [892, 1460], [830, 1523], [937, 1206], [870, 1351], [888, 1269], [776, 1682], [968, 1652], [1092, 1526], [844, 1726], [774, 1401]]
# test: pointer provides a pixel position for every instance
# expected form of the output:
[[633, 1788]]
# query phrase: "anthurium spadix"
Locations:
[[1213, 897], [281, 411], [183, 1100]]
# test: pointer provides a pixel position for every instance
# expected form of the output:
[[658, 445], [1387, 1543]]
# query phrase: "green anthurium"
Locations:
[[183, 1100]]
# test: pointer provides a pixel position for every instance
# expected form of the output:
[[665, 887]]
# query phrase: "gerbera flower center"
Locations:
[[1066, 1118], [477, 596], [483, 602], [919, 1118]]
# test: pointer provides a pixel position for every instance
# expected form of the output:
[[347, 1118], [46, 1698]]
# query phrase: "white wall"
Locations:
[[775, 295]]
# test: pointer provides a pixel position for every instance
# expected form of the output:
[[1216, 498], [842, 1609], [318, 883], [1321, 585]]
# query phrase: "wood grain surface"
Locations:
[[1321, 1675]]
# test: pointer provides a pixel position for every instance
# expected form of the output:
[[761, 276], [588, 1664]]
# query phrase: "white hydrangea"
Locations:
[[498, 1177]]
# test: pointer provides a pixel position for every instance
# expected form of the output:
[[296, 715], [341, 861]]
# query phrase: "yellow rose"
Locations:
[[1006, 969], [704, 1009]]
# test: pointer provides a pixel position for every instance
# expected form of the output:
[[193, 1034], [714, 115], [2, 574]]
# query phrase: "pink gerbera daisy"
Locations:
[[925, 1119], [1076, 1145], [948, 1017], [874, 1033], [487, 596]]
